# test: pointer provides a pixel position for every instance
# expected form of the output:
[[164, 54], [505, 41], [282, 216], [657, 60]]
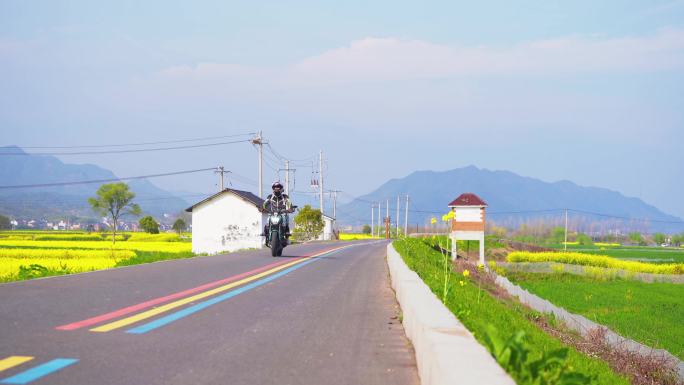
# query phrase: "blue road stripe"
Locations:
[[39, 371], [203, 305]]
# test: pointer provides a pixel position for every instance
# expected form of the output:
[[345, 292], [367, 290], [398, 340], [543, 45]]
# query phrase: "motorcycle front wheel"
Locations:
[[275, 245]]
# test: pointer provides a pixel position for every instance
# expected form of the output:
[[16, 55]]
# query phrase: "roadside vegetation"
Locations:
[[509, 330], [650, 313]]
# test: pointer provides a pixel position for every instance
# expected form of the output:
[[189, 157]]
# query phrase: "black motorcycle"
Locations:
[[276, 238]]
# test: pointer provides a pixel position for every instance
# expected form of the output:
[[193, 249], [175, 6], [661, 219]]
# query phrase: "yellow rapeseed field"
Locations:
[[10, 266], [165, 247], [351, 237], [596, 261], [64, 254]]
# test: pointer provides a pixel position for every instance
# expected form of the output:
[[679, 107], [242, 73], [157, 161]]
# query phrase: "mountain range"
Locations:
[[70, 199], [511, 198]]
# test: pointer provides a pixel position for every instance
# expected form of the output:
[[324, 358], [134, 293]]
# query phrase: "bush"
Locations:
[[149, 225]]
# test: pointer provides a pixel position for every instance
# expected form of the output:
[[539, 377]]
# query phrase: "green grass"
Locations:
[[651, 313], [481, 312]]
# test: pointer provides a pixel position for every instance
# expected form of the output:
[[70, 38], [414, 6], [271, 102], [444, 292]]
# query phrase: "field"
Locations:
[[353, 237], [34, 254], [651, 313], [491, 318], [584, 259], [650, 254]]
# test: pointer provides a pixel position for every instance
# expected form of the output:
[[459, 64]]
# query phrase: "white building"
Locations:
[[328, 229], [227, 221]]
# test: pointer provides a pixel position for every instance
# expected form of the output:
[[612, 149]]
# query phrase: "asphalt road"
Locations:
[[331, 319]]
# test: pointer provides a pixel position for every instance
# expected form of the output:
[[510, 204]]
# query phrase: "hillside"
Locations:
[[510, 197], [58, 201]]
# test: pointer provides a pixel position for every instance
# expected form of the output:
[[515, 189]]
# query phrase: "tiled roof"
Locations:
[[246, 195], [468, 199]]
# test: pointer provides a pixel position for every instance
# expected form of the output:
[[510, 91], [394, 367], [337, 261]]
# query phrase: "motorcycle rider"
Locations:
[[278, 201]]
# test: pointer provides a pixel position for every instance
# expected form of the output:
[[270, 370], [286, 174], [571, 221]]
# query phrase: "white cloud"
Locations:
[[386, 59]]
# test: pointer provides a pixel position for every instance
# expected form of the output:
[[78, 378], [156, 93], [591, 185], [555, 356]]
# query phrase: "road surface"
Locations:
[[309, 317]]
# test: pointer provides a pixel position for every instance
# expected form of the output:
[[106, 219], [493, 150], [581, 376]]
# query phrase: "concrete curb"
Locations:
[[446, 352], [583, 325]]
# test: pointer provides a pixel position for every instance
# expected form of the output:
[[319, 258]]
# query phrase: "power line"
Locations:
[[127, 151], [104, 180], [142, 143]]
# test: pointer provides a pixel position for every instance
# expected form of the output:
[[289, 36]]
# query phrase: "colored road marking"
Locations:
[[13, 361], [156, 301], [39, 371], [203, 305], [153, 312]]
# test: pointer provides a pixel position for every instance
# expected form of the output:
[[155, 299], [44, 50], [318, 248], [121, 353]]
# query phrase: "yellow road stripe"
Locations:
[[13, 361], [153, 312]]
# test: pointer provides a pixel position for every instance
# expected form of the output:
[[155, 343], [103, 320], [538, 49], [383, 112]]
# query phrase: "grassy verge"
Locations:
[[650, 313], [491, 318], [150, 256]]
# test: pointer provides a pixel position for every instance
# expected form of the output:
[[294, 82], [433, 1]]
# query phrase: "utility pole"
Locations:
[[287, 177], [258, 141], [220, 170], [565, 244], [334, 197], [320, 185], [406, 217], [379, 215], [397, 218], [387, 220], [372, 219]]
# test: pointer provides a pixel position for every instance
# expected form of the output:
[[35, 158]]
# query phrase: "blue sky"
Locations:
[[586, 91]]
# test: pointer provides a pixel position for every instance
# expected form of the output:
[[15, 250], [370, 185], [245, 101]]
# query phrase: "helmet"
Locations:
[[275, 185]]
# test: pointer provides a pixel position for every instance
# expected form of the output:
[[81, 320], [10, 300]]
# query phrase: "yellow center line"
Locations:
[[13, 361], [161, 309]]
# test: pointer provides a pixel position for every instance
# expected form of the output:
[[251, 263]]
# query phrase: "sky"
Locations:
[[586, 91]]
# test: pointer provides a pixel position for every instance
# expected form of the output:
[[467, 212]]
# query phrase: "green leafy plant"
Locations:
[[513, 354]]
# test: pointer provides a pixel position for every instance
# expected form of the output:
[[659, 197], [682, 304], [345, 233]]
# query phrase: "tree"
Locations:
[[114, 200], [659, 238], [558, 235], [149, 225], [308, 223], [636, 237], [366, 229], [5, 223], [179, 225], [584, 239]]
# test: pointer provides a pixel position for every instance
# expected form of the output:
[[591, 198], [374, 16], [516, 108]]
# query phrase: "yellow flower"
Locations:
[[480, 266], [466, 273], [433, 220], [450, 215], [461, 282], [445, 218]]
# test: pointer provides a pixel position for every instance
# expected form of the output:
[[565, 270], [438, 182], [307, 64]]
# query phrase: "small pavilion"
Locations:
[[469, 222]]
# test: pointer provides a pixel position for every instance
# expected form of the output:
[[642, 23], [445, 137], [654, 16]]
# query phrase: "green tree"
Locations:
[[558, 235], [5, 223], [659, 238], [114, 200], [584, 239], [366, 229], [308, 223], [636, 237], [179, 225], [677, 239], [149, 225]]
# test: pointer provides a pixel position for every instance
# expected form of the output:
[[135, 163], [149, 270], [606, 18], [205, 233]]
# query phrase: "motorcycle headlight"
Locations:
[[275, 220]]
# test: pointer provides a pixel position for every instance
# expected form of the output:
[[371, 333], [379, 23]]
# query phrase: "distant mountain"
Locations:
[[515, 198], [71, 200]]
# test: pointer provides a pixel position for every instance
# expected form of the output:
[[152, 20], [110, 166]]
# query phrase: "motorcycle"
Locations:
[[276, 239]]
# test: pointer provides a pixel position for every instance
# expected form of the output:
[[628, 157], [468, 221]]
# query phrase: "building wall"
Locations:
[[226, 223], [327, 234]]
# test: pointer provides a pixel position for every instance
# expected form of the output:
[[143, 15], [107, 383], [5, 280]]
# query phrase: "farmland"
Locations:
[[35, 254], [651, 254], [646, 312]]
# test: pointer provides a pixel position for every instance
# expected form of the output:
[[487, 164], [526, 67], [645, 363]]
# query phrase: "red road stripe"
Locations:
[[156, 301]]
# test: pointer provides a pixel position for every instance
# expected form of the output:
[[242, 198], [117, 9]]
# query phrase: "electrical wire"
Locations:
[[126, 151], [103, 180], [142, 143]]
